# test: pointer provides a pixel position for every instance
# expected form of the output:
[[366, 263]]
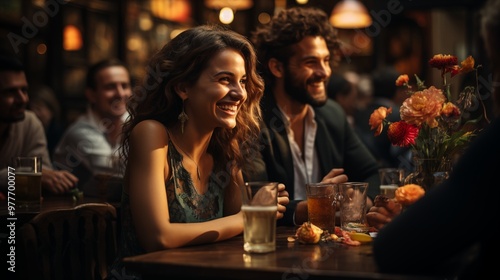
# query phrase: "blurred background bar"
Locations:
[[58, 39]]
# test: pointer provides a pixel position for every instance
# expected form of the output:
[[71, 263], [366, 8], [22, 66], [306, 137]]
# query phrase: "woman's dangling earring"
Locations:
[[183, 117]]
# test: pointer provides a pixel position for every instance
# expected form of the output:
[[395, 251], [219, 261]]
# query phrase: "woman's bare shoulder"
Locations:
[[149, 131]]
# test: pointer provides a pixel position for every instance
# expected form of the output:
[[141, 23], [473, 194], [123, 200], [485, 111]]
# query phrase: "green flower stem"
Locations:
[[447, 90]]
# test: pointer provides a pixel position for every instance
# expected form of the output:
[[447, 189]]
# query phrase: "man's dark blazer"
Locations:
[[337, 145]]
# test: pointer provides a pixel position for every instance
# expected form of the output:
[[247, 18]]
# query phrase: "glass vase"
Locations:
[[429, 172]]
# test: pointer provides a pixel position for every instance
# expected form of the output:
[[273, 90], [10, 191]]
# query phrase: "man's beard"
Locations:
[[299, 92]]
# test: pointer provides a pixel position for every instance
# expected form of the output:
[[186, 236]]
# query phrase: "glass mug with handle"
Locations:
[[322, 201]]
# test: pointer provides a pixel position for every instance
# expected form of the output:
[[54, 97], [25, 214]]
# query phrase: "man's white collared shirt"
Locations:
[[305, 165]]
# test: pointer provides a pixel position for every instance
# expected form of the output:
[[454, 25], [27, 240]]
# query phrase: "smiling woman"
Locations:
[[191, 123]]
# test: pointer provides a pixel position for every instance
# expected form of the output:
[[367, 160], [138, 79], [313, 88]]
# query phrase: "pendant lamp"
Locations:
[[350, 14]]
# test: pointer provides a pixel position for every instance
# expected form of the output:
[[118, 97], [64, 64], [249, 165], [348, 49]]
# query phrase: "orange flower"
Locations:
[[402, 80], [376, 121], [423, 106], [454, 70], [402, 134], [450, 110], [408, 194], [429, 116], [441, 61], [465, 66]]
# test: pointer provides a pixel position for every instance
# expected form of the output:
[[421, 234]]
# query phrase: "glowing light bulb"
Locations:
[[226, 15]]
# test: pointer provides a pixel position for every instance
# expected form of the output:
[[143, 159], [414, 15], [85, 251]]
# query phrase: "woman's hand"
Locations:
[[283, 200]]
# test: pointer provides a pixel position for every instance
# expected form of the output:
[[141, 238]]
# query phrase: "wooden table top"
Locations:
[[291, 260]]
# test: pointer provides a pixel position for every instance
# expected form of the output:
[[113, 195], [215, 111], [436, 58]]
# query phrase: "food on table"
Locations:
[[361, 237], [308, 233], [345, 238], [334, 237]]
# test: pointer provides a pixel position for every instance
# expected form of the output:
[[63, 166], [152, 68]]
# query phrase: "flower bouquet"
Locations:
[[432, 122]]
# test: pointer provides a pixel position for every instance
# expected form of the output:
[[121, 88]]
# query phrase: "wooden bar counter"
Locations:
[[291, 260]]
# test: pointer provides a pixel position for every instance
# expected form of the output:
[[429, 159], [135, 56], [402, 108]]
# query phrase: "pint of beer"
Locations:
[[260, 204], [321, 205], [28, 171]]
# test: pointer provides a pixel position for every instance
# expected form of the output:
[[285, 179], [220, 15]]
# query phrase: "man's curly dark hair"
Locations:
[[288, 27]]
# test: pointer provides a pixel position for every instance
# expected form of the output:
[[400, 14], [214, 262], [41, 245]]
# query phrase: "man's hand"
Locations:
[[335, 176], [383, 211], [58, 181]]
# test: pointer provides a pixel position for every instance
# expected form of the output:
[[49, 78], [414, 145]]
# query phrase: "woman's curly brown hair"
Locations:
[[182, 60]]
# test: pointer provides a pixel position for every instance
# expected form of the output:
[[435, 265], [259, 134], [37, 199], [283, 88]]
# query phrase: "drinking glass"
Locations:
[[259, 207], [321, 205], [28, 172], [390, 180], [353, 206]]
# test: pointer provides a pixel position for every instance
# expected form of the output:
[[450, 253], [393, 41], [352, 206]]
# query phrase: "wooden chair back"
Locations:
[[77, 243]]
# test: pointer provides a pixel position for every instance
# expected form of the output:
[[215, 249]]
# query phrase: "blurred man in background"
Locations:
[[22, 133], [90, 145]]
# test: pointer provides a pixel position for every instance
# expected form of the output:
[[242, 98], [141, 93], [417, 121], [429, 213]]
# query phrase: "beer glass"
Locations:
[[260, 204], [28, 190], [321, 205]]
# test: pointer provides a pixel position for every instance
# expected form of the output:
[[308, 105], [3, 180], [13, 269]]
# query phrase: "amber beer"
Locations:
[[321, 211], [28, 190], [259, 234], [321, 205]]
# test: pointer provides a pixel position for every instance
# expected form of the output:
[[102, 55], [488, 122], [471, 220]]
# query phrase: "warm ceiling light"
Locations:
[[72, 38], [145, 22], [41, 48], [233, 4], [350, 14], [264, 18], [226, 15], [173, 10]]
